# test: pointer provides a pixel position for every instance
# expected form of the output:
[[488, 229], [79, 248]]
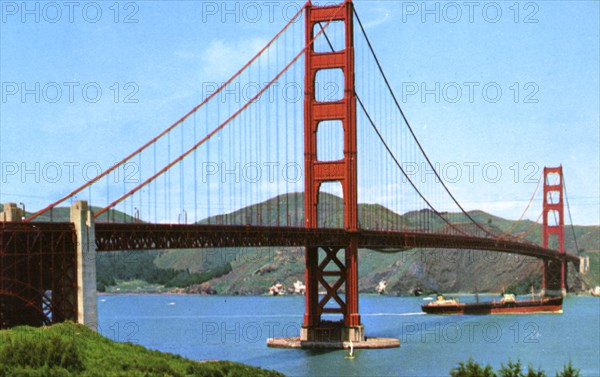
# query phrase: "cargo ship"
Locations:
[[507, 305]]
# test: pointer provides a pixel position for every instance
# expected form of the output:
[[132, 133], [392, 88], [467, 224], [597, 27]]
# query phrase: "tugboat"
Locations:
[[507, 305]]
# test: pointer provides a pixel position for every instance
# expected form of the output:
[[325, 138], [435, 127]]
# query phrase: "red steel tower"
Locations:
[[332, 274], [554, 276]]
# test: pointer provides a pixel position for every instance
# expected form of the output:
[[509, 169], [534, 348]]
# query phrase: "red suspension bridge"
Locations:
[[281, 154]]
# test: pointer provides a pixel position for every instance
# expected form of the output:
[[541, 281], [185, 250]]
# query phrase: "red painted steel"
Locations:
[[140, 236], [554, 275], [343, 171]]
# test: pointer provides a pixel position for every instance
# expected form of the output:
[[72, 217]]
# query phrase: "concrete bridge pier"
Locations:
[[584, 265], [83, 219], [11, 213]]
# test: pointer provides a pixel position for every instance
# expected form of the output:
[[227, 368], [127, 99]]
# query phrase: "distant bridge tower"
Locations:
[[554, 276], [331, 274]]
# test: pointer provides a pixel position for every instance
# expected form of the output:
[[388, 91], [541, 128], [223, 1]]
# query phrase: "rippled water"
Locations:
[[236, 328]]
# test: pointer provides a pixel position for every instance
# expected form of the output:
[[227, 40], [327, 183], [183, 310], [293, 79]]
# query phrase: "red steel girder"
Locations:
[[122, 237]]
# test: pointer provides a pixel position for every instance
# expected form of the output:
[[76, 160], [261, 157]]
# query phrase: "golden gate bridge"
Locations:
[[349, 138]]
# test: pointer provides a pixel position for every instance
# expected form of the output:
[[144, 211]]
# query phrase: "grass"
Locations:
[[69, 349]]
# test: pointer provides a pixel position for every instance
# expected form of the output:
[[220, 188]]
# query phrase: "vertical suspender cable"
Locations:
[[277, 143], [570, 217], [208, 159], [214, 131], [195, 173], [139, 169], [182, 180], [168, 204], [155, 187], [411, 130]]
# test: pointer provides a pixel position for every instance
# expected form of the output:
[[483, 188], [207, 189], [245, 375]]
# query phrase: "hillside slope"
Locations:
[[69, 349]]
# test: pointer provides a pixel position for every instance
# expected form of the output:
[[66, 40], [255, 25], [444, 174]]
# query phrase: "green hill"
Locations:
[[68, 349], [63, 214]]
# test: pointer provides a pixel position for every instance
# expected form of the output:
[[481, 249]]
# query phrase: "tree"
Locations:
[[516, 370], [569, 371], [534, 373], [512, 369], [472, 369]]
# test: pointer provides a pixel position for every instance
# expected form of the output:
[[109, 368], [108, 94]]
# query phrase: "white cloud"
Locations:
[[222, 59], [381, 16]]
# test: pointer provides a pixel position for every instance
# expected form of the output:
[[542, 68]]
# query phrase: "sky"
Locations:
[[494, 91]]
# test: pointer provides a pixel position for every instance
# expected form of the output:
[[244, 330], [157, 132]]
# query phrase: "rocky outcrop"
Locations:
[[299, 288], [197, 289], [277, 290]]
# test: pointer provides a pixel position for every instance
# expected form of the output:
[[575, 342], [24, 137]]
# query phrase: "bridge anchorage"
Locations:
[[47, 269]]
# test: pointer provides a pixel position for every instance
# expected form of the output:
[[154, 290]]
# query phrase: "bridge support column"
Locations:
[[330, 274], [554, 279], [331, 277], [83, 219], [584, 265], [11, 213], [333, 274]]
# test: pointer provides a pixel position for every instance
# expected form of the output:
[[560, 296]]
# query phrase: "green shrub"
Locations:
[[472, 369], [535, 373], [568, 371], [511, 370], [185, 279]]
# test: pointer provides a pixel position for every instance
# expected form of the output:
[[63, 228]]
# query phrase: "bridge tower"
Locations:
[[332, 274], [554, 273]]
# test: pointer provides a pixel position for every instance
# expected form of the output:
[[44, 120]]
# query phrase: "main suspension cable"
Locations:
[[389, 149], [170, 128], [402, 170], [222, 125], [411, 130], [531, 228], [524, 212]]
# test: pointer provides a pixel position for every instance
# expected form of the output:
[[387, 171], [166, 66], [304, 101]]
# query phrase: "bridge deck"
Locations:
[[112, 237], [119, 236]]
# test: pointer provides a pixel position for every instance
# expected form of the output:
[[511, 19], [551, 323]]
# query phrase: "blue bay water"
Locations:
[[236, 328]]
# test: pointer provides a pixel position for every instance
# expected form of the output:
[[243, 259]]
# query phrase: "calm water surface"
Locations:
[[236, 328]]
